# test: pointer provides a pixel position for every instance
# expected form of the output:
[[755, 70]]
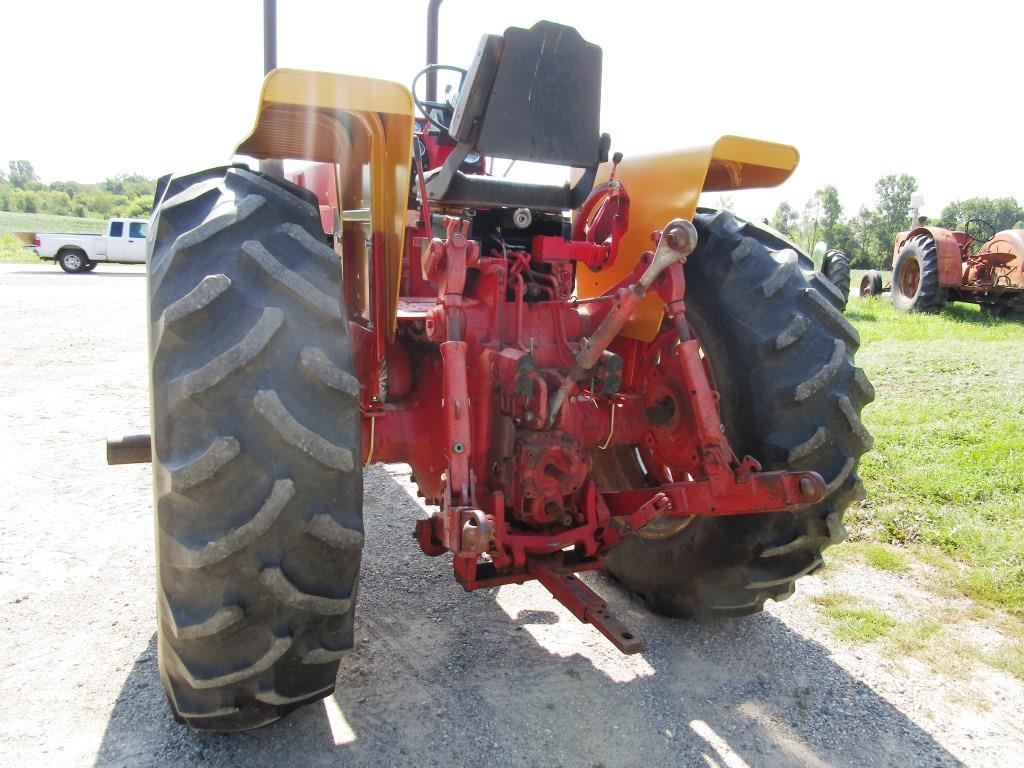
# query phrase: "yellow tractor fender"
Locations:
[[362, 125], [667, 185]]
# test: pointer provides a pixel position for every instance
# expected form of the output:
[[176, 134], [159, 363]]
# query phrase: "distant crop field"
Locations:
[[11, 249], [44, 222]]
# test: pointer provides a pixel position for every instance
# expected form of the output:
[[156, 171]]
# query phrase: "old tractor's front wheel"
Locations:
[[780, 354], [256, 450]]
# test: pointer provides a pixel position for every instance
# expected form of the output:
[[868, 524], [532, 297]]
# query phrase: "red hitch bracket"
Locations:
[[561, 581]]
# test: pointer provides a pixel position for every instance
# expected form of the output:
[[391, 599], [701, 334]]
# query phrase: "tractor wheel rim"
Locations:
[[910, 279], [865, 286]]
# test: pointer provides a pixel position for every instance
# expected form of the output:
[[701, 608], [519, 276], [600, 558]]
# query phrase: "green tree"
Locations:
[[1001, 212], [786, 220], [26, 202], [822, 218], [892, 194], [22, 174], [862, 248]]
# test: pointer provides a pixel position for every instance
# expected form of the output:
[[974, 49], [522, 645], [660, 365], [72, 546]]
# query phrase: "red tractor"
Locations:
[[582, 377], [933, 265]]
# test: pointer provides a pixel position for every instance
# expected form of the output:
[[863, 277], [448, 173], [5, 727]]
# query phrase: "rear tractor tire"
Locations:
[[781, 358], [837, 269], [256, 450], [915, 277]]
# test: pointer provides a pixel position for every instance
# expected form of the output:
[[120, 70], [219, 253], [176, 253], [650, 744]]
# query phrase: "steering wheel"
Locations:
[[427, 107], [978, 231]]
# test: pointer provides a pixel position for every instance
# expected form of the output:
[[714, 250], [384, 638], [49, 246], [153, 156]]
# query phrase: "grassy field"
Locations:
[[945, 483], [11, 249], [947, 471]]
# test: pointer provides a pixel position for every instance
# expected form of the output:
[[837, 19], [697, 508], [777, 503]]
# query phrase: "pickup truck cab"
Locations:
[[123, 243]]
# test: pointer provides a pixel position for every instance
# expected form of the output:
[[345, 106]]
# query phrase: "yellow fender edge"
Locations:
[[667, 185], [353, 122]]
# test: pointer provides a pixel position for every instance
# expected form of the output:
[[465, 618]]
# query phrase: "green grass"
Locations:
[[925, 639], [852, 622], [1009, 658], [886, 558], [947, 470], [11, 250]]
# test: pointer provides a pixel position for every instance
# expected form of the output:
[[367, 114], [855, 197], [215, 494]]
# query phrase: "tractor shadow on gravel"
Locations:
[[507, 677]]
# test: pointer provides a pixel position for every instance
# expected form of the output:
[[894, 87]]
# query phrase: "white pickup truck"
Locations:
[[124, 243]]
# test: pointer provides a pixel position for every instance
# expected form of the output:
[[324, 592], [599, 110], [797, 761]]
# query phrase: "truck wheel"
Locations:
[[871, 284], [256, 450], [915, 277], [837, 270], [72, 261], [781, 357]]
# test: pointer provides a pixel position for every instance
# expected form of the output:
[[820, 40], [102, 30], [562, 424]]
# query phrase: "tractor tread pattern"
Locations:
[[256, 339], [836, 269], [330, 531], [224, 617], [276, 650], [827, 313], [311, 244], [792, 332], [319, 365], [269, 406], [204, 466], [240, 537], [257, 481], [289, 594], [209, 288], [823, 375], [276, 699], [302, 288]]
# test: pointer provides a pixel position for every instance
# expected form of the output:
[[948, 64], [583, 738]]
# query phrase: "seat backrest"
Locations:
[[534, 95]]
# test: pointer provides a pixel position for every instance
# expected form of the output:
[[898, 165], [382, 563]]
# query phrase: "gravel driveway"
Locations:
[[439, 677]]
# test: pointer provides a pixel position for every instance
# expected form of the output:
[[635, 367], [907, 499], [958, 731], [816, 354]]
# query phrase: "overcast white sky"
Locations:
[[861, 88]]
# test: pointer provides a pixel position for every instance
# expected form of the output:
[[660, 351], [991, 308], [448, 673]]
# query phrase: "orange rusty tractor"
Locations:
[[976, 264]]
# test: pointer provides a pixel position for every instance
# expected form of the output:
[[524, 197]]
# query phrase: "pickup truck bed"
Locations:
[[123, 243]]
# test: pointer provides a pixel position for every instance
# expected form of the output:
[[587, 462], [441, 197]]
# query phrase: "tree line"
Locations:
[[121, 196], [868, 237]]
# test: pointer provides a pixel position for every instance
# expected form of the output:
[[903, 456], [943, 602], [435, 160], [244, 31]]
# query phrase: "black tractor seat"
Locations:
[[533, 95]]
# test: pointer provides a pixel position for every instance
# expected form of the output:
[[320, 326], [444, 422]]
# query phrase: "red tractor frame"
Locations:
[[596, 375]]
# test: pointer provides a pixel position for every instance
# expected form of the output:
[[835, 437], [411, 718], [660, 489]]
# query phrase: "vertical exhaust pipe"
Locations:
[[270, 167], [269, 35], [433, 11]]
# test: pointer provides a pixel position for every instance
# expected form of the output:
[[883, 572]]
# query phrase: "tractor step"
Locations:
[[561, 581]]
